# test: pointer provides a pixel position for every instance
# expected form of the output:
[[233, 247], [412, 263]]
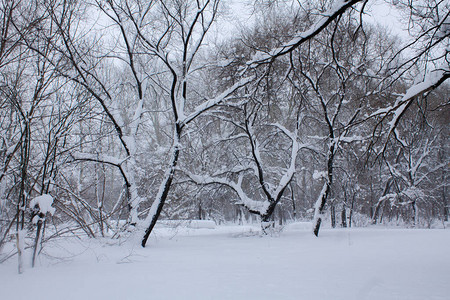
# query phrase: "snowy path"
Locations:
[[222, 264]]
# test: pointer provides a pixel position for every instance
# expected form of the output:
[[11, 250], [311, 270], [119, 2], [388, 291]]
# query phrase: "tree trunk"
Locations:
[[239, 216], [163, 192], [294, 209], [333, 215], [200, 211], [22, 203], [343, 211], [376, 212], [386, 190], [444, 202], [267, 219], [19, 244], [344, 217], [320, 205], [36, 242], [350, 214], [415, 208], [280, 214], [322, 200]]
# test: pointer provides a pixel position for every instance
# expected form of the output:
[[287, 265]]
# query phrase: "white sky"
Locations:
[[377, 11], [380, 12]]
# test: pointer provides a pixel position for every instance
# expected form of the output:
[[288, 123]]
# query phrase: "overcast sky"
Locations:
[[239, 14]]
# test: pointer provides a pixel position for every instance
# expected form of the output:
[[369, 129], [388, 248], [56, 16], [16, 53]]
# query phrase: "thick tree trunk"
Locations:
[[280, 217], [320, 206], [267, 219], [320, 203], [36, 242], [294, 209], [163, 192], [200, 211], [343, 217], [376, 212], [133, 198]]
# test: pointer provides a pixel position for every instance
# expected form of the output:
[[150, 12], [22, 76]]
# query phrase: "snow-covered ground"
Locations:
[[232, 262]]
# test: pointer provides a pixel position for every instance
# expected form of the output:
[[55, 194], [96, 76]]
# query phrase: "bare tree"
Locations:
[[191, 23], [256, 170]]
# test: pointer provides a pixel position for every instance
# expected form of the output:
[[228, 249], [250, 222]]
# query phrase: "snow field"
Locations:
[[234, 262]]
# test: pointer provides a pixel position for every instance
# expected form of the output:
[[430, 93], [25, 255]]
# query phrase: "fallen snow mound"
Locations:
[[44, 202]]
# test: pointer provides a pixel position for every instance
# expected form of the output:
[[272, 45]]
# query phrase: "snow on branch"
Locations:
[[273, 194], [411, 193], [417, 164], [100, 158], [432, 170], [350, 139], [289, 134], [134, 125], [234, 170], [397, 173], [289, 174], [431, 81], [215, 101], [44, 203], [105, 159], [333, 13], [258, 207]]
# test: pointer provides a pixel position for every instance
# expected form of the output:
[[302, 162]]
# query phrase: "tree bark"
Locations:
[[320, 204], [344, 217], [164, 188], [36, 242], [294, 209], [350, 214], [333, 215], [444, 199]]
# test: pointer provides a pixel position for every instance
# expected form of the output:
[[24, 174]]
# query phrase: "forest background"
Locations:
[[114, 114]]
